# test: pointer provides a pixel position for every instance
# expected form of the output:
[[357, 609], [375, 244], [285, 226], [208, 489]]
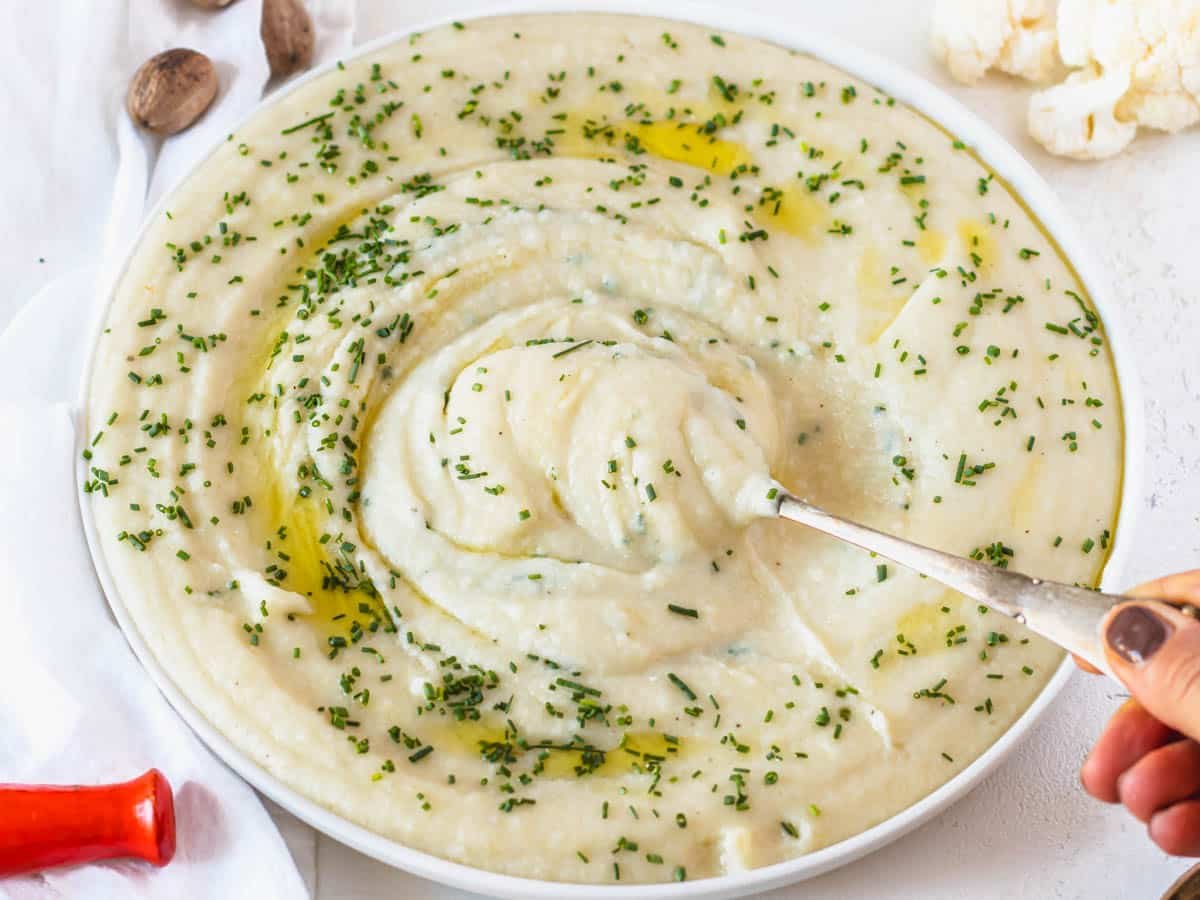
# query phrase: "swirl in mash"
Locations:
[[560, 455], [434, 436]]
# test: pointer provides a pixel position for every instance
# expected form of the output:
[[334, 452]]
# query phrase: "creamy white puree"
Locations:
[[436, 425]]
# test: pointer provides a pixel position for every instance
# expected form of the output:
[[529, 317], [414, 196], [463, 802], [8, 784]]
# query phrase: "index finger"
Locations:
[[1179, 586], [1130, 734]]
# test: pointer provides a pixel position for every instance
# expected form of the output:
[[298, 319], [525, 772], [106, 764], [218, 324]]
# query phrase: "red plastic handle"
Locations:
[[44, 825]]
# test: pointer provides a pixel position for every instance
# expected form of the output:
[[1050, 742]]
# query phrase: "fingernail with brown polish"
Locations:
[[1135, 633]]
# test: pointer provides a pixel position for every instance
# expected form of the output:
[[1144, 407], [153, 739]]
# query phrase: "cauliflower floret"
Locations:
[[1136, 62], [1151, 47], [1156, 41], [1014, 36], [1165, 93], [1097, 31], [1077, 118], [1032, 51]]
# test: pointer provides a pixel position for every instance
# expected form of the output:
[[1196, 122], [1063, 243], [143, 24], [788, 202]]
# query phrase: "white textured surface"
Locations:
[[1029, 831]]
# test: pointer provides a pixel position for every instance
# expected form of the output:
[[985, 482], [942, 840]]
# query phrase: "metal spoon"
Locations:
[[1069, 616]]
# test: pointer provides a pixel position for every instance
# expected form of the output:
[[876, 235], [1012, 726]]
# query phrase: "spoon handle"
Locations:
[[1069, 616], [45, 825]]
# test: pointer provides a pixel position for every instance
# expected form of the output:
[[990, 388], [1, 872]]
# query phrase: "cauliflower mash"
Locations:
[[435, 426]]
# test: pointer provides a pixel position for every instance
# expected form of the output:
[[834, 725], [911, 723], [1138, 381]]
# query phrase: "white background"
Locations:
[[1028, 831]]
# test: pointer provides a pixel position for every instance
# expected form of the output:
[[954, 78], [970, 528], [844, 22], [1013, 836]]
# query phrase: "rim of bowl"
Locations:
[[907, 88]]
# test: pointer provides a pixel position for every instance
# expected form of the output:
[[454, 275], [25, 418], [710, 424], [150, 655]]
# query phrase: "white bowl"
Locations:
[[1009, 165]]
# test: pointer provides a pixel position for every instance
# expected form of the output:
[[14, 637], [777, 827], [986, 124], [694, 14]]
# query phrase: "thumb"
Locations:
[[1155, 650]]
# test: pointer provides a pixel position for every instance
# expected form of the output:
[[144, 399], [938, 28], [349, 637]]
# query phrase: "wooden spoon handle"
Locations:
[[47, 825]]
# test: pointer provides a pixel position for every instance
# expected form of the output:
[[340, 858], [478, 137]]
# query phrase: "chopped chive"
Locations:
[[572, 348], [682, 685]]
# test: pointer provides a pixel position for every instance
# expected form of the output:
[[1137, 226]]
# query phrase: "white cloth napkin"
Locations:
[[75, 703]]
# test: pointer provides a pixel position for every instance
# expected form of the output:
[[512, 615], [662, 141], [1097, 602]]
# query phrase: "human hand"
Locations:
[[1148, 757]]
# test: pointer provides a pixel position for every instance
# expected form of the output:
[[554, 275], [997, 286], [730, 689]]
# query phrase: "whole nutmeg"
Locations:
[[171, 90], [287, 35]]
